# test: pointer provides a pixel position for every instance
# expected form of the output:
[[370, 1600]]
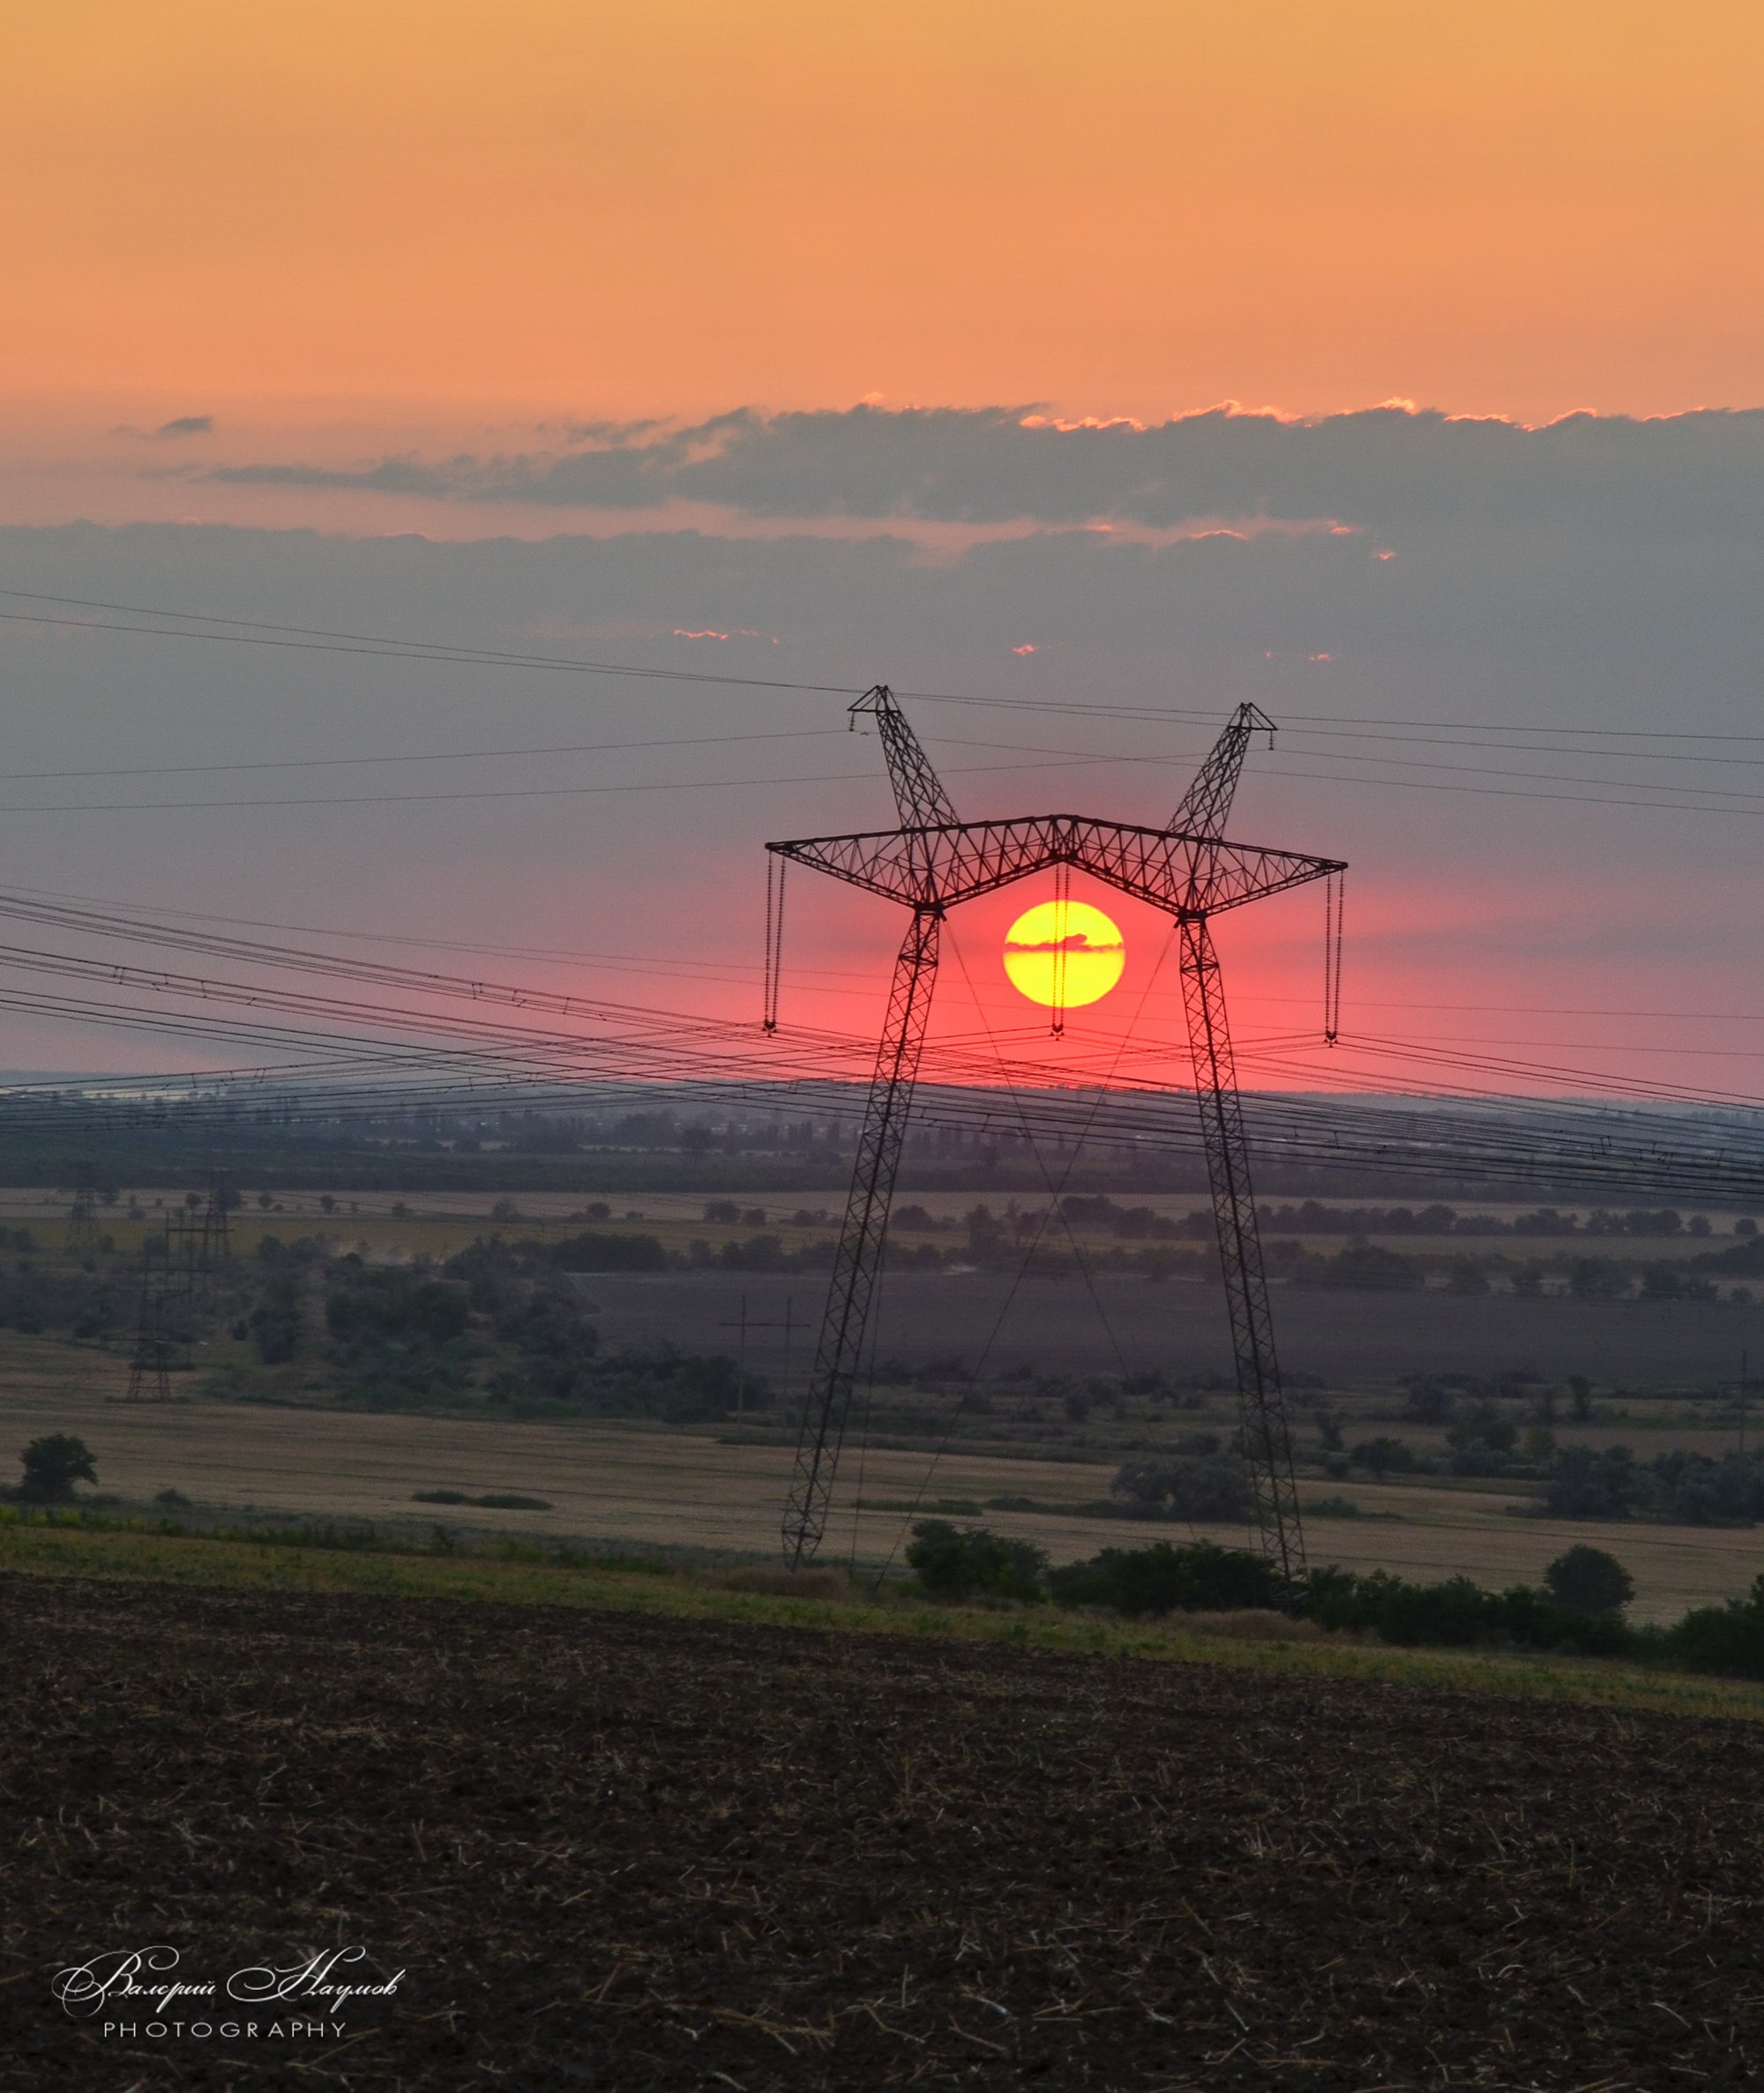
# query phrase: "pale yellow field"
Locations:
[[612, 1481]]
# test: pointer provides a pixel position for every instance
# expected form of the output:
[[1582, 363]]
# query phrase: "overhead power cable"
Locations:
[[184, 624]]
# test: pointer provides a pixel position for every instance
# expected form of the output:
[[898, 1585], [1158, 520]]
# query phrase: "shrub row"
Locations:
[[957, 1564]]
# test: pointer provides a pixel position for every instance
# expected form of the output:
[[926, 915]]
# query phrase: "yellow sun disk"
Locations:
[[1068, 937]]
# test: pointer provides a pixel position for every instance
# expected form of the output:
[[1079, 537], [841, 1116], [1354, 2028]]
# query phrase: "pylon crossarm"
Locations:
[[956, 863], [1207, 805], [858, 1258], [918, 791], [1261, 1399]]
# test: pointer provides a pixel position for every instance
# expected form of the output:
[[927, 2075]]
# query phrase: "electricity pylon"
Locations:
[[82, 1215], [217, 1243], [1261, 1399], [933, 862], [147, 1381]]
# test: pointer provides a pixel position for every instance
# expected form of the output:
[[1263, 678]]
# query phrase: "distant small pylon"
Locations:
[[217, 1243], [181, 1238], [147, 1377], [82, 1215]]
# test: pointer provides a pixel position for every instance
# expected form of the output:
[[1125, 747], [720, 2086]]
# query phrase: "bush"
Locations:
[[1200, 1578], [596, 1252], [1589, 1581], [1457, 1612], [961, 1565], [1725, 1640], [53, 1464], [499, 1500]]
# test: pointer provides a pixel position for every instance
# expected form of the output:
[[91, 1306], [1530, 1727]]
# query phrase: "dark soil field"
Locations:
[[609, 1852]]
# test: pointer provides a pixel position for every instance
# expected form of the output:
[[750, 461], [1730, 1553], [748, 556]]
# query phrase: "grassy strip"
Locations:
[[272, 1565]]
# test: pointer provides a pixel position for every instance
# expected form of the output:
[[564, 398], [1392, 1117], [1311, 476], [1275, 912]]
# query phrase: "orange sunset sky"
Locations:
[[676, 205], [815, 344]]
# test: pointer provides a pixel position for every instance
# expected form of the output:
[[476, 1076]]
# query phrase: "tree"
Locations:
[[53, 1464], [1597, 1279], [1328, 1424], [1590, 1485], [1426, 1401], [1485, 1428], [1383, 1456], [1370, 1266], [1589, 1581], [1210, 1486]]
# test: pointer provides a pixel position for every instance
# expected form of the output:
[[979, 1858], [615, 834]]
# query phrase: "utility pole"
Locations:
[[929, 864]]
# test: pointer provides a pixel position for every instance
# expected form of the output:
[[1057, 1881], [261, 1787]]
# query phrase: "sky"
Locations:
[[1089, 371]]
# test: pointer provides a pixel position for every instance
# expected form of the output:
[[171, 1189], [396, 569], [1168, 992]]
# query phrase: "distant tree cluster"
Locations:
[[1680, 1488]]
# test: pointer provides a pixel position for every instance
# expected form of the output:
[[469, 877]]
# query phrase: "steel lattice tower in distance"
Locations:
[[82, 1214], [147, 1370], [217, 1241], [934, 861]]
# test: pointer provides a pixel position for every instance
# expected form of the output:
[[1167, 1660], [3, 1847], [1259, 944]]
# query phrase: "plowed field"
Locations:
[[615, 1852]]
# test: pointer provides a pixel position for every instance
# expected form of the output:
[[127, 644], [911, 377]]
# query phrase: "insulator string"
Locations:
[[1062, 913], [775, 868], [1335, 895]]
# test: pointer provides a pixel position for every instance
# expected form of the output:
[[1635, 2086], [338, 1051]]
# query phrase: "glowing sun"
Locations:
[[1064, 954]]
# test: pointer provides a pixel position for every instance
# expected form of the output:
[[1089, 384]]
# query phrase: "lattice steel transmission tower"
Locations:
[[217, 1241], [929, 864], [82, 1214], [147, 1370]]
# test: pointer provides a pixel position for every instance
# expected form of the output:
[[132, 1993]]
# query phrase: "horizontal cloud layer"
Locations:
[[1382, 470]]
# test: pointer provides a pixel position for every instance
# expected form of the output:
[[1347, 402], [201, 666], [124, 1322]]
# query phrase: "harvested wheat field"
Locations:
[[637, 1855], [653, 1488]]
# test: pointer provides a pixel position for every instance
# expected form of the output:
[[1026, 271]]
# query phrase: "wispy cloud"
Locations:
[[181, 425]]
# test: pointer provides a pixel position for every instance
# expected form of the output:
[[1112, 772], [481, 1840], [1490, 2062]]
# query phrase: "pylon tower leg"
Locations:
[[859, 1256], [1261, 1400]]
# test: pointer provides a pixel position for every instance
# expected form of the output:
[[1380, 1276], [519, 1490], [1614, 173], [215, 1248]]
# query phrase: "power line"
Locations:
[[419, 651], [578, 748], [380, 799], [327, 639]]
